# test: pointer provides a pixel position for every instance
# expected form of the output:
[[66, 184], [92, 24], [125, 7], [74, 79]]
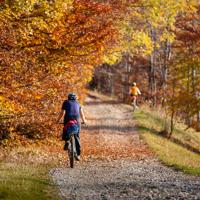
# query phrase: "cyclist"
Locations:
[[72, 111], [134, 92]]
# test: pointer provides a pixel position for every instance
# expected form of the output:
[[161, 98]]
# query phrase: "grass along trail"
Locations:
[[116, 164]]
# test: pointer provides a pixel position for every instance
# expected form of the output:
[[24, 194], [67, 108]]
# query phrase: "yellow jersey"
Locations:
[[134, 91]]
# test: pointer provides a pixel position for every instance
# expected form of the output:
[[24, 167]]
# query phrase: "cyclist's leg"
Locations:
[[77, 141], [131, 98], [75, 128], [67, 142], [78, 146], [66, 137], [135, 102]]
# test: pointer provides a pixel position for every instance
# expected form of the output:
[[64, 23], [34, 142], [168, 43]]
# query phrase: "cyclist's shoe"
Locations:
[[77, 158], [66, 145]]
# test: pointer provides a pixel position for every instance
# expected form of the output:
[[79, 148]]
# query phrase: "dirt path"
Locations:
[[116, 164]]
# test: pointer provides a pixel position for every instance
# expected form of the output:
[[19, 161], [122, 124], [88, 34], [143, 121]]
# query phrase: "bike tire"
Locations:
[[72, 152]]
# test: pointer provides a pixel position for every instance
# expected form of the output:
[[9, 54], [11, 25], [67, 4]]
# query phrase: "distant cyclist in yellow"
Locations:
[[134, 92]]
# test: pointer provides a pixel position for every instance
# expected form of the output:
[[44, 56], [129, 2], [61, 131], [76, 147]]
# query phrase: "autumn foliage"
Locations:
[[48, 48]]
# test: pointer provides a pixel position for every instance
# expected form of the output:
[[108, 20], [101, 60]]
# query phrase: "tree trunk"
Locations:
[[152, 72], [188, 118], [172, 110], [167, 55]]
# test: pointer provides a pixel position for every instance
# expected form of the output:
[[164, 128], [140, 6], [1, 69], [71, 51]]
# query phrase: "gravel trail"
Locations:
[[117, 164]]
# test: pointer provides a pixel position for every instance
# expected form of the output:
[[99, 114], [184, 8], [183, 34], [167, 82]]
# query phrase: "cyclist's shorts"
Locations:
[[74, 128], [133, 95]]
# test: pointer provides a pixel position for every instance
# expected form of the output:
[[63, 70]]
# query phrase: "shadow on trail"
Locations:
[[92, 96], [108, 118], [137, 185], [144, 128], [141, 189], [129, 129], [102, 102]]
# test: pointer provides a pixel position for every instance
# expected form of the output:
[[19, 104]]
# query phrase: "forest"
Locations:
[[51, 47], [98, 49]]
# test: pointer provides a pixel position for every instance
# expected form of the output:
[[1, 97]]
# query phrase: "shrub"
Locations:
[[5, 131], [31, 130]]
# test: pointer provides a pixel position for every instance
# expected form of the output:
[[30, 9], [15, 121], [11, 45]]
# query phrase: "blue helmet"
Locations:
[[72, 96]]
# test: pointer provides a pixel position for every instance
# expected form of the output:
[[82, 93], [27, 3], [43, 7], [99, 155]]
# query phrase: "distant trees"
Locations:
[[185, 69], [165, 63]]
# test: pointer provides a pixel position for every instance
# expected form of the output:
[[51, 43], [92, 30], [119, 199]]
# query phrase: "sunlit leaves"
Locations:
[[48, 48]]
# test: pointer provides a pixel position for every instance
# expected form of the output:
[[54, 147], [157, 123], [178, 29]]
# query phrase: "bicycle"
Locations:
[[71, 149]]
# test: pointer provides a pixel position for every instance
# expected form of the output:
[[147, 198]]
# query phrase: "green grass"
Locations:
[[25, 182], [172, 154]]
